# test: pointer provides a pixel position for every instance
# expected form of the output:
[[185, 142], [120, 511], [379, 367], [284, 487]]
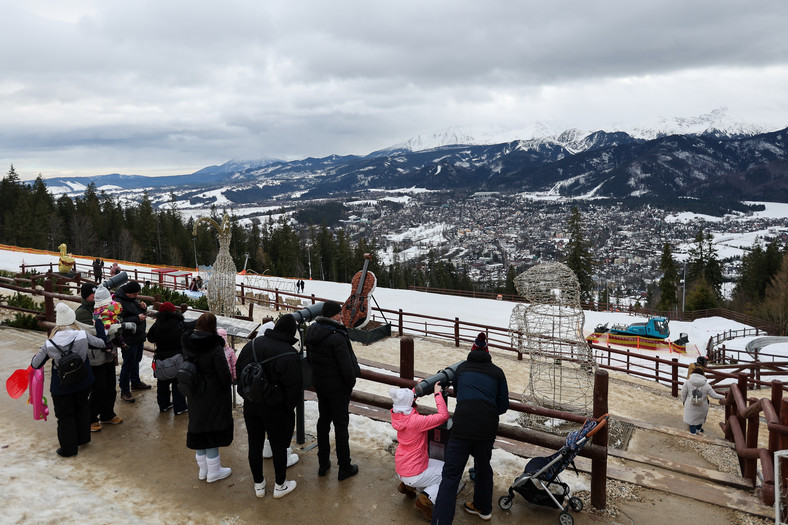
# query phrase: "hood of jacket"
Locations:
[[697, 380], [400, 421], [322, 328], [198, 342]]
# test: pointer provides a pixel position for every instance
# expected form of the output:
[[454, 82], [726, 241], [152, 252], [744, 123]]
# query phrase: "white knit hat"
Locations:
[[403, 400], [102, 297], [64, 316]]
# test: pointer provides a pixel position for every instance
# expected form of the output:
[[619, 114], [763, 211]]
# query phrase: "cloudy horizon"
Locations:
[[92, 87]]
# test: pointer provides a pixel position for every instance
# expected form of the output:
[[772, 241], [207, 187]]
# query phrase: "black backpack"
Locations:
[[254, 385], [70, 368], [189, 380]]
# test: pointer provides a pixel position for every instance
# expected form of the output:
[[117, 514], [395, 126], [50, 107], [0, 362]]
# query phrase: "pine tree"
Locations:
[[668, 285], [703, 264], [578, 255]]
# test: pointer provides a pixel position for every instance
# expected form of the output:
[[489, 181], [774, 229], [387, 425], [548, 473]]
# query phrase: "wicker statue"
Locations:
[[221, 285], [549, 327]]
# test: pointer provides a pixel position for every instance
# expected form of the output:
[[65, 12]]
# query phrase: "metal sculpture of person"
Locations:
[[221, 285], [549, 327]]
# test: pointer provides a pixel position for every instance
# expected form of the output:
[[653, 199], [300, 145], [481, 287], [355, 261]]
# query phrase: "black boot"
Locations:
[[347, 472]]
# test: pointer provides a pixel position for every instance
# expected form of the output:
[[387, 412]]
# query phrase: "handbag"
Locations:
[[167, 369]]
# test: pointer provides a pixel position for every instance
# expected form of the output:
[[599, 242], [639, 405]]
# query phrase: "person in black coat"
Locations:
[[334, 372], [482, 395], [134, 311], [274, 417], [210, 408], [166, 334]]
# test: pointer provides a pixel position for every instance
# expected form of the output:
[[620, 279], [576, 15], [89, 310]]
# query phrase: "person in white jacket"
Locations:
[[695, 395]]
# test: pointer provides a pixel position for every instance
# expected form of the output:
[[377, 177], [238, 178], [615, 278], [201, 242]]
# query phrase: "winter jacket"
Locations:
[[80, 341], [132, 308], [211, 410], [166, 334], [334, 364], [696, 414], [412, 456], [284, 371], [96, 356], [482, 395]]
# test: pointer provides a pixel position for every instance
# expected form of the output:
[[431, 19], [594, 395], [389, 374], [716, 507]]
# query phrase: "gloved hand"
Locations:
[[131, 327]]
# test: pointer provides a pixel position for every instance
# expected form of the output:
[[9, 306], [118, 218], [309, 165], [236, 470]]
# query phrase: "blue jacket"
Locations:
[[482, 395]]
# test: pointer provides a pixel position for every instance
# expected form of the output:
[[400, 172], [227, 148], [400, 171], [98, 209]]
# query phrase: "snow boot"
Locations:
[[216, 471], [201, 462]]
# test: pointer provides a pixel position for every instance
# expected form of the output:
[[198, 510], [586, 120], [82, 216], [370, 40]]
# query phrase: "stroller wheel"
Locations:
[[576, 504], [565, 518], [505, 502]]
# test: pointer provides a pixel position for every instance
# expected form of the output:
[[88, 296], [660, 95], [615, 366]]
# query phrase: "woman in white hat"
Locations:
[[69, 394]]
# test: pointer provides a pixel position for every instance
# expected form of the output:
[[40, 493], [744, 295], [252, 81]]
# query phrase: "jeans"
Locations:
[[455, 458], [130, 369]]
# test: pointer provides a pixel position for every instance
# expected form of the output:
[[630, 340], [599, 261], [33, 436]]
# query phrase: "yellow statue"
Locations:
[[66, 262]]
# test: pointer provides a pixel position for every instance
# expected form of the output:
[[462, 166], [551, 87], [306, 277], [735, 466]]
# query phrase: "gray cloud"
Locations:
[[141, 87]]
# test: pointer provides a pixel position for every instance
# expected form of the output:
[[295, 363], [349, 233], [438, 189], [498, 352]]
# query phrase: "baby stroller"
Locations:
[[539, 483]]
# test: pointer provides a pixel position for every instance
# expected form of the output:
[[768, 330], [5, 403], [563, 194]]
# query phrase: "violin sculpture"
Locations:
[[355, 311]]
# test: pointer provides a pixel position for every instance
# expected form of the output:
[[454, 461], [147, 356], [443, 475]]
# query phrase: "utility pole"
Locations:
[[684, 291], [194, 243]]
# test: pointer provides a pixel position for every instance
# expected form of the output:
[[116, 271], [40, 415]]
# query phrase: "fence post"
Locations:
[[243, 302], [406, 357], [49, 303], [313, 298], [599, 466], [457, 331], [399, 328], [674, 387], [276, 299]]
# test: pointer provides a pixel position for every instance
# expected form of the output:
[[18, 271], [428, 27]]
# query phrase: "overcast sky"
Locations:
[[147, 87]]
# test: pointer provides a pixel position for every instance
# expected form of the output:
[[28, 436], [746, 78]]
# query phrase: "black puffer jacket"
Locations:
[[283, 371], [334, 365], [211, 411], [132, 308], [166, 334], [482, 394]]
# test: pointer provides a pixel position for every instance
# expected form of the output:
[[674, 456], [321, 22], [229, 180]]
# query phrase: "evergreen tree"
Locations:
[[511, 274], [578, 256], [668, 284], [774, 307], [703, 264]]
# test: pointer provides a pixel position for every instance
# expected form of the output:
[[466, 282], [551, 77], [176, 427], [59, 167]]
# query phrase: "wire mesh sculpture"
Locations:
[[549, 327], [220, 287]]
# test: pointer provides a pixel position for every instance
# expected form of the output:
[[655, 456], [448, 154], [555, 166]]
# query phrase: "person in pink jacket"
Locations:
[[414, 467]]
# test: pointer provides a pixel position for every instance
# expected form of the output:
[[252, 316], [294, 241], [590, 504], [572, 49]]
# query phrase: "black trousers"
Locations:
[[278, 424], [333, 409], [73, 420], [103, 393]]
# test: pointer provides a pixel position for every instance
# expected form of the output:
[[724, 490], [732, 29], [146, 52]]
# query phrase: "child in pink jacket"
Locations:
[[412, 462], [229, 353]]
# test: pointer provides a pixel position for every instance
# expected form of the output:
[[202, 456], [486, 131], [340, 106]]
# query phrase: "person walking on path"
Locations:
[[482, 396], [211, 407], [166, 334], [274, 417], [71, 405], [416, 470], [334, 372], [133, 312], [700, 362], [695, 393], [98, 269]]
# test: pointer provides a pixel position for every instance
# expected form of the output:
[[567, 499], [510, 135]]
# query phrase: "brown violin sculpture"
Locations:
[[356, 309]]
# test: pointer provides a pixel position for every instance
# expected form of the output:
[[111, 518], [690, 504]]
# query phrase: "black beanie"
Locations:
[[286, 325], [87, 289], [331, 308], [132, 287]]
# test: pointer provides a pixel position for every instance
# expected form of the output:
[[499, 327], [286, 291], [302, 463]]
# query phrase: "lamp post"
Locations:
[[684, 288], [194, 243]]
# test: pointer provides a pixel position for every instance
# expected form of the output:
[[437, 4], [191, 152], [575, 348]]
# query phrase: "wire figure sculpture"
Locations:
[[549, 327], [220, 286]]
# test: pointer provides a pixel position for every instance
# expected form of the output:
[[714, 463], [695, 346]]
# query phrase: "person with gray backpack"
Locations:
[[71, 380], [695, 395]]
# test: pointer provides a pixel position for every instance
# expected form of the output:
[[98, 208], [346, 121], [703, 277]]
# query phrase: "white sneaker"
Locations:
[[259, 489], [268, 453], [292, 459], [285, 488]]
